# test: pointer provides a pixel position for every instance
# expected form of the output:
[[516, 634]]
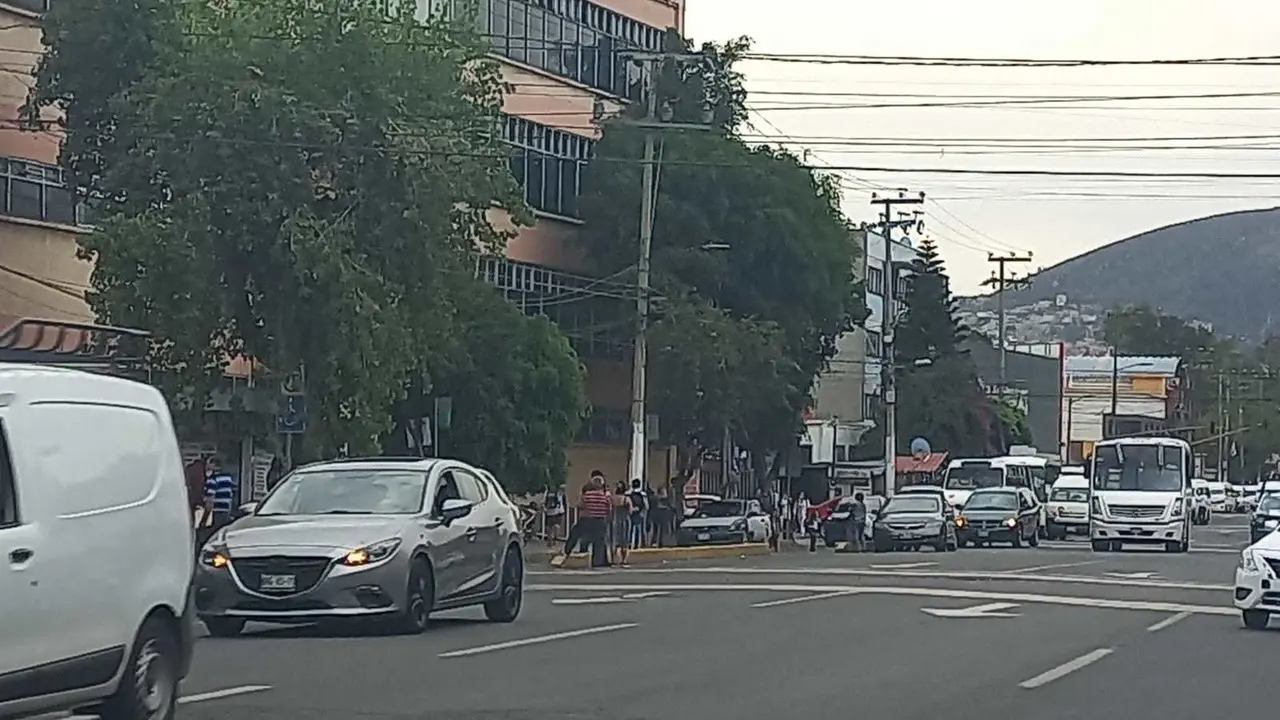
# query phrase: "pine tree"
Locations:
[[929, 329]]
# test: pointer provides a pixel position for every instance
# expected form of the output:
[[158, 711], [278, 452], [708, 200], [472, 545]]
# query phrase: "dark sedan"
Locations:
[[1265, 519], [911, 521], [1000, 515]]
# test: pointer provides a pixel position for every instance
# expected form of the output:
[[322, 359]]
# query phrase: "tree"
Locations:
[[929, 327], [304, 182], [745, 235]]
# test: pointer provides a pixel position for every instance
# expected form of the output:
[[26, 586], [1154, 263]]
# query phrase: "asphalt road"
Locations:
[[1049, 633]]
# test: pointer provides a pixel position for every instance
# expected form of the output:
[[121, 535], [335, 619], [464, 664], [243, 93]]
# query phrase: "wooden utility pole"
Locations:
[[1002, 281]]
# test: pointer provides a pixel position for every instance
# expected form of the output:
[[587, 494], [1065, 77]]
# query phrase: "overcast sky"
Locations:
[[1053, 218]]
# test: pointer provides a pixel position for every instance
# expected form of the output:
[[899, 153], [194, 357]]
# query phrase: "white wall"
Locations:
[[1086, 414]]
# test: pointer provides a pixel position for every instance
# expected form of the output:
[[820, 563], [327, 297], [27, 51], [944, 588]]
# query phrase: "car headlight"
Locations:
[[1011, 523], [960, 521], [1095, 506], [1058, 511], [1247, 561], [1176, 509], [372, 553], [214, 556]]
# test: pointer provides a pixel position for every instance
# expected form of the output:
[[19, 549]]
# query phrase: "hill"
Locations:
[[1220, 269]]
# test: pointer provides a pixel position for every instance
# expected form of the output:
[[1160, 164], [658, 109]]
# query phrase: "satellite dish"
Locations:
[[920, 447]]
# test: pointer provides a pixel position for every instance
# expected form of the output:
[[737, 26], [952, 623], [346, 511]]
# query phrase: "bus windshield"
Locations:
[[1153, 468], [974, 477]]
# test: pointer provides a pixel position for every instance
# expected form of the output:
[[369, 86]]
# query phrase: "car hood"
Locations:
[[991, 514], [315, 532], [909, 518], [1271, 515], [1149, 498], [957, 497], [711, 522]]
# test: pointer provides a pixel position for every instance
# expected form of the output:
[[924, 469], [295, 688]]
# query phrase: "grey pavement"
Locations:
[[1044, 633]]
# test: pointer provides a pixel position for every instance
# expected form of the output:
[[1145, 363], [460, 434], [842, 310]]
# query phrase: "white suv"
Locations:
[[1257, 589]]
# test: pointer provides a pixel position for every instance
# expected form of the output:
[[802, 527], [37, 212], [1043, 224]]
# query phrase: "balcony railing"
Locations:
[[36, 191]]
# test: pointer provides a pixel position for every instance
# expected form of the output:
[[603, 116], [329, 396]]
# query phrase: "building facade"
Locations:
[[1034, 381], [1150, 397], [903, 253], [40, 276]]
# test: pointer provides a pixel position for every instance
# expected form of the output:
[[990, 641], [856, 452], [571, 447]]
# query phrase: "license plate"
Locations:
[[984, 533], [278, 582], [1136, 531], [909, 536], [704, 536]]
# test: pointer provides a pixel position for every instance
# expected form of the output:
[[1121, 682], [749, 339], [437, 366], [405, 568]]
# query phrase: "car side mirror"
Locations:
[[455, 509], [246, 509]]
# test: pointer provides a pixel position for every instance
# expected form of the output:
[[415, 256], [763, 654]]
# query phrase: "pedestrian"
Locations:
[[784, 515], [639, 500], [858, 515], [802, 514], [620, 527], [220, 493], [595, 518], [577, 538], [811, 528]]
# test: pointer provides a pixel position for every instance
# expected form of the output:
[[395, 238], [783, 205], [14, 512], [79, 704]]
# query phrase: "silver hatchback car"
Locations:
[[372, 537]]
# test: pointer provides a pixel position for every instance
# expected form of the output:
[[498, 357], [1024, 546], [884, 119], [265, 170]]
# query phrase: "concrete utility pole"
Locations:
[[1001, 281], [888, 325], [650, 65]]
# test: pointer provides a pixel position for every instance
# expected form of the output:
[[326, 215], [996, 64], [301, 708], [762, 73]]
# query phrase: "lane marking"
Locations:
[[1171, 620], [1038, 568], [1195, 548], [903, 566], [936, 575], [645, 595], [1023, 598], [1132, 575], [538, 640], [612, 600], [804, 598], [1065, 669], [977, 611], [224, 693]]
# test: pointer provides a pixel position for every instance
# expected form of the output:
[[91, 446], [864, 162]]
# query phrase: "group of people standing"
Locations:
[[611, 524]]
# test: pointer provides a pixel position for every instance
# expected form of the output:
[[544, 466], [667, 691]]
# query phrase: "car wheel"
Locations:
[[941, 544], [1255, 619], [1100, 545], [419, 599], [506, 607], [223, 627], [1017, 539], [149, 685]]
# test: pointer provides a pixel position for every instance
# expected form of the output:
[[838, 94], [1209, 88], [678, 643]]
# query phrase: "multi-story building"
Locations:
[[1148, 393], [561, 57], [904, 253], [40, 275]]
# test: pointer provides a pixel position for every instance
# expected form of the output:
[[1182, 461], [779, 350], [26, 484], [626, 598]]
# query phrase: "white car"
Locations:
[[1257, 589], [1201, 508]]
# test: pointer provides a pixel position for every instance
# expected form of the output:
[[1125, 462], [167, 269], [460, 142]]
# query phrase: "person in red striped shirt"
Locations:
[[594, 513]]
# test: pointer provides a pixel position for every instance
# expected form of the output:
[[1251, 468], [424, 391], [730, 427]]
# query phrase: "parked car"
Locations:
[[375, 538], [1265, 519], [913, 520], [1000, 515], [96, 532], [693, 502], [725, 522]]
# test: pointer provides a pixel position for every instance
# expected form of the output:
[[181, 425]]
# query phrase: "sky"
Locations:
[[1053, 218]]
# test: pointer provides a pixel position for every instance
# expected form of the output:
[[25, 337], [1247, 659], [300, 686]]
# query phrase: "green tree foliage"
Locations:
[[1013, 424], [748, 243], [305, 182], [942, 401]]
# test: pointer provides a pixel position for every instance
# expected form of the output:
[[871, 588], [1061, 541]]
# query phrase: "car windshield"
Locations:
[[913, 503], [972, 477], [1270, 505], [1151, 468], [992, 501], [719, 509], [1074, 495], [347, 492]]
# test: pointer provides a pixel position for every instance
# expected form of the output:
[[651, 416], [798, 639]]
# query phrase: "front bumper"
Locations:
[[972, 533], [710, 536], [1258, 588], [1070, 520], [893, 536], [340, 591], [1133, 531]]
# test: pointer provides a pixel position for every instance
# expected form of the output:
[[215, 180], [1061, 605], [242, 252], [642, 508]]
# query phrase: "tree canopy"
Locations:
[[307, 183], [750, 250]]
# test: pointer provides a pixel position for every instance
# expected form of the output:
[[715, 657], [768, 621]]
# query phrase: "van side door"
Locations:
[[26, 626]]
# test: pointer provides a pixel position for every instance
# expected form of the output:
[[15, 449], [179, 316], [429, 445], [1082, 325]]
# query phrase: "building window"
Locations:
[[875, 280], [576, 39], [37, 191], [32, 6], [548, 163], [902, 285]]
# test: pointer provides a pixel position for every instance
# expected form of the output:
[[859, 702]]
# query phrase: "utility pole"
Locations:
[[1001, 281], [1222, 413], [888, 325], [653, 121]]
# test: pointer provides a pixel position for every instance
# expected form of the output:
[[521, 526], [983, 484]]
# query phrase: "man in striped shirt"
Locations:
[[219, 493], [594, 511]]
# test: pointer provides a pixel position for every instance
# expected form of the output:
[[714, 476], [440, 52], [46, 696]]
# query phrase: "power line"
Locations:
[[912, 60]]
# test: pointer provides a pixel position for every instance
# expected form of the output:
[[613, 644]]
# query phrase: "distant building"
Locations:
[[1150, 398]]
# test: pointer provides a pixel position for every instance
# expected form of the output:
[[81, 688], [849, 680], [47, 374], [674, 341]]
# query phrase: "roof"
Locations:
[[1128, 365], [931, 462]]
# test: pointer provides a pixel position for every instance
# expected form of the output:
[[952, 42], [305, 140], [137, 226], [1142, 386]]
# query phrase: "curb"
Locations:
[[659, 556]]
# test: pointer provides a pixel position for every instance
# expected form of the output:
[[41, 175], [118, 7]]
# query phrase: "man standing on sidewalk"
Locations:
[[858, 517], [594, 513]]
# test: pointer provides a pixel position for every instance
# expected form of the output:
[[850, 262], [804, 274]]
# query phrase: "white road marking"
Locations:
[[1195, 547], [1031, 598], [937, 575], [1172, 619], [538, 640], [903, 566], [977, 611], [224, 693], [611, 600], [804, 598], [1132, 575], [644, 595], [1065, 669], [1039, 568]]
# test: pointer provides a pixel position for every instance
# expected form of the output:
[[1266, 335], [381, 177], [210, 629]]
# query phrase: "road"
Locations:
[[1052, 633]]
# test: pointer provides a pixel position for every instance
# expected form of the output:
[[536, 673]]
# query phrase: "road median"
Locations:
[[658, 556]]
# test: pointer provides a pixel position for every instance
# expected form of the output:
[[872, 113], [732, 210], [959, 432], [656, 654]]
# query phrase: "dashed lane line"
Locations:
[[1065, 669], [537, 640]]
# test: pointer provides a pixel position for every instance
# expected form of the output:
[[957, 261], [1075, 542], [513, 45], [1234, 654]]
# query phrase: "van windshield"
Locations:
[[1075, 495], [974, 477], [1149, 468]]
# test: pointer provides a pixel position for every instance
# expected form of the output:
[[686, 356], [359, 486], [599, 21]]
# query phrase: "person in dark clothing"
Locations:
[[639, 500], [660, 517], [859, 523]]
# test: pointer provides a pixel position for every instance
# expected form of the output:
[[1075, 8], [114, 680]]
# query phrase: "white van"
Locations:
[[1201, 508], [964, 475], [96, 547], [1068, 506]]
